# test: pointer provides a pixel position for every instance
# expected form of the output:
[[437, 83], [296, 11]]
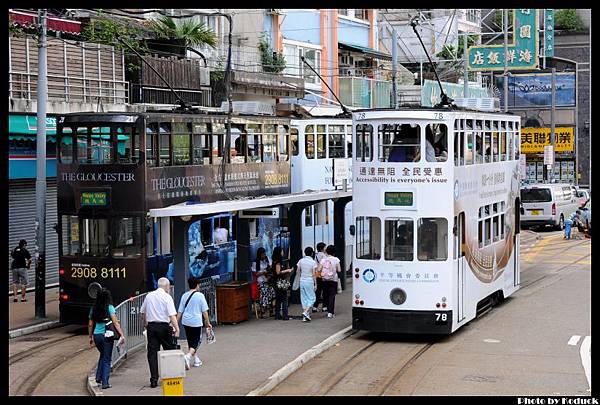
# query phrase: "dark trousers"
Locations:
[[281, 303], [329, 292], [319, 292], [159, 334], [193, 335], [105, 347]]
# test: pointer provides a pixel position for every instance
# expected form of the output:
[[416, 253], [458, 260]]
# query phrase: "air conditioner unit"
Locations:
[[478, 103], [260, 213]]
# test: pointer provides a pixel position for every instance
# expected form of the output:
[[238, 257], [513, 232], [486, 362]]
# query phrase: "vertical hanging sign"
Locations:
[[522, 53], [549, 33]]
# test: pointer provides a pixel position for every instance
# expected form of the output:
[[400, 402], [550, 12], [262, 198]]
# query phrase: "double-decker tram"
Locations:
[[318, 144], [436, 216], [114, 167]]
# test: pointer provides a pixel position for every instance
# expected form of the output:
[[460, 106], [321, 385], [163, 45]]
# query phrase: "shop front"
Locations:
[[533, 141]]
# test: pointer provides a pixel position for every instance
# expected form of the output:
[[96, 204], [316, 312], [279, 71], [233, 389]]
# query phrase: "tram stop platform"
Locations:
[[243, 356], [21, 315]]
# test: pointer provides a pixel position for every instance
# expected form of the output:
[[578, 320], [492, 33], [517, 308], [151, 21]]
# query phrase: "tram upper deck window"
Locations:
[[349, 141], [70, 235], [469, 152], [399, 142], [294, 140], [151, 144], [283, 144], [459, 143], [128, 145], [336, 141], [254, 142], [432, 239], [164, 144], [399, 244], [368, 238], [436, 143], [182, 132], [65, 150], [364, 142], [201, 144], [218, 142], [269, 143], [95, 145], [95, 237], [321, 142], [309, 141], [127, 237]]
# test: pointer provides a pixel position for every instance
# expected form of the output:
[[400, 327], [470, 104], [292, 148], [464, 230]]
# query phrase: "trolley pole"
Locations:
[[40, 183], [394, 67]]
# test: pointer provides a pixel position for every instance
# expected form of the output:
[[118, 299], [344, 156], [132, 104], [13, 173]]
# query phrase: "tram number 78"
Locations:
[[441, 318]]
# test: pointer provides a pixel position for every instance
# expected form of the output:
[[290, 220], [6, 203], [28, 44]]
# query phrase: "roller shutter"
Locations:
[[21, 225]]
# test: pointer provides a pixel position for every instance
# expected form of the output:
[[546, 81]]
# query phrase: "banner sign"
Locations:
[[533, 140], [522, 53], [549, 33], [535, 90]]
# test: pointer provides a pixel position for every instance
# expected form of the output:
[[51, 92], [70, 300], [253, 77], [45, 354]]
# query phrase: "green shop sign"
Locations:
[[522, 53], [549, 33]]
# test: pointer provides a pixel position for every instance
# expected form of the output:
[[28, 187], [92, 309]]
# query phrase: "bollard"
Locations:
[[171, 370]]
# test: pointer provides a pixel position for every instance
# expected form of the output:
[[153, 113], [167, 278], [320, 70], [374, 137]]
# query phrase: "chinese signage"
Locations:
[[549, 33], [533, 140], [430, 92], [405, 175], [522, 53], [94, 198], [398, 199], [535, 90]]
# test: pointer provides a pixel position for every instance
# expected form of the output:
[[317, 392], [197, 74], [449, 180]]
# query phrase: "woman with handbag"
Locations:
[[103, 330], [306, 280], [192, 308], [261, 268], [280, 280]]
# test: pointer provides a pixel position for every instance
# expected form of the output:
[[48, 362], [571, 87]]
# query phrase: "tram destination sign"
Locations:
[[398, 198], [94, 198]]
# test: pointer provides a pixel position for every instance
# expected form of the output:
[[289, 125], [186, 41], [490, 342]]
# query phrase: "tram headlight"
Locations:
[[398, 296]]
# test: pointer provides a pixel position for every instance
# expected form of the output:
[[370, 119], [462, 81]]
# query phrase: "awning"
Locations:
[[364, 50], [54, 23]]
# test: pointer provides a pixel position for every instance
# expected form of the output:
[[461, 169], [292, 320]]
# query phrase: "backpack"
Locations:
[[328, 271]]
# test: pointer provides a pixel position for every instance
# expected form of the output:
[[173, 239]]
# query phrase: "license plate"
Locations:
[[535, 212]]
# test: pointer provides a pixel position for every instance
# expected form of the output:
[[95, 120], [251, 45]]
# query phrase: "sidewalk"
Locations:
[[243, 356], [22, 314]]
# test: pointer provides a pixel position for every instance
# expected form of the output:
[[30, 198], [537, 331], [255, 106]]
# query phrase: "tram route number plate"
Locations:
[[440, 318]]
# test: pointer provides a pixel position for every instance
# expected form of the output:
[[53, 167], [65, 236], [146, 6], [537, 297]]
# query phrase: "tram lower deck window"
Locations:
[[399, 245], [432, 239], [368, 238]]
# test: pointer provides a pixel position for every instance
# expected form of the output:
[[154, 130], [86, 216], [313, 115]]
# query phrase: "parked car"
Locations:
[[584, 196], [547, 204], [586, 216]]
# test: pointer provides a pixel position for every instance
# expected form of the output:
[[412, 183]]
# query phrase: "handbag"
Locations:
[[282, 284], [110, 331], [296, 284]]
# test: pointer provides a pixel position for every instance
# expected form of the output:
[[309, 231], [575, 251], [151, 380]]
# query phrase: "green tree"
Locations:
[[450, 52], [192, 32], [568, 20], [106, 31], [271, 62]]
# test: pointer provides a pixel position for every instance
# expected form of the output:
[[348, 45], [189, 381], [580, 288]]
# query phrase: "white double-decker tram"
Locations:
[[436, 215]]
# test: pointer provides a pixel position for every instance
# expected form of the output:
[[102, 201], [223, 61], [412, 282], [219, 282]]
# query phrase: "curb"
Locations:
[[295, 364], [93, 388], [32, 329]]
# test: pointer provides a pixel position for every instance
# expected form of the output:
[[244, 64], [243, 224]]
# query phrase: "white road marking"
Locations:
[[574, 340], [491, 341], [586, 360]]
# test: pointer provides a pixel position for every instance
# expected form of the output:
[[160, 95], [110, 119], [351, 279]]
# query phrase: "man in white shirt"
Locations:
[[158, 311]]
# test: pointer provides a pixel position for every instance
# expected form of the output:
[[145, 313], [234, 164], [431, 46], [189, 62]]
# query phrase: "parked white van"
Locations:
[[547, 204]]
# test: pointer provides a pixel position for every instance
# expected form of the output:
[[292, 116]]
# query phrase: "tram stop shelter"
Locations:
[[183, 215]]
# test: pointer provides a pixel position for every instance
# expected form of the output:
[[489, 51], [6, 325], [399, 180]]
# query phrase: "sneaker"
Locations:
[[188, 361], [324, 309], [315, 309], [197, 362], [304, 319], [330, 315], [107, 386]]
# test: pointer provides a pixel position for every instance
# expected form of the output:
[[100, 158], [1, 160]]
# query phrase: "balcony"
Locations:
[[362, 92]]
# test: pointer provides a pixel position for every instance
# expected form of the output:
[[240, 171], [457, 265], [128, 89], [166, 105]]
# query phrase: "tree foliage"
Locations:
[[568, 20], [450, 52], [192, 32], [106, 31], [271, 62]]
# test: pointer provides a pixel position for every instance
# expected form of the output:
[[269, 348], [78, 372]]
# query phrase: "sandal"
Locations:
[[25, 300]]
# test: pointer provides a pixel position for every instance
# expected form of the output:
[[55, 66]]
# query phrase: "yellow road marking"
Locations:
[[534, 251]]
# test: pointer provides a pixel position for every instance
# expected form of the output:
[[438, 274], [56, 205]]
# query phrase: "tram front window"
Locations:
[[127, 234], [432, 239], [368, 238], [399, 142], [95, 237], [399, 239]]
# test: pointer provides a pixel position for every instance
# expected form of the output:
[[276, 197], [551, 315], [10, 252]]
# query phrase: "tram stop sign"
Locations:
[[548, 155]]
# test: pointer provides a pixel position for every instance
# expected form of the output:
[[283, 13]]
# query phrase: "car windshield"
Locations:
[[530, 195]]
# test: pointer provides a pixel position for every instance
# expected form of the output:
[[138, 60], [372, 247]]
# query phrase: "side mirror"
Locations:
[[522, 211], [352, 230]]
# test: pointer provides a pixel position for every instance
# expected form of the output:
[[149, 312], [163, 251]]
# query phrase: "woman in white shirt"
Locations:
[[308, 282], [329, 267]]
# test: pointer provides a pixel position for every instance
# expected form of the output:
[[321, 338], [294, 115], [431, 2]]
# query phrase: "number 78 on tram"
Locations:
[[435, 216]]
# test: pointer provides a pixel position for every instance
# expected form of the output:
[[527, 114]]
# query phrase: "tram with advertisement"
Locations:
[[318, 145], [113, 168], [436, 217]]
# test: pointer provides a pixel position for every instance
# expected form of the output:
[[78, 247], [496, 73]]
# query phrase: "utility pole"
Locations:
[[552, 135], [394, 67], [505, 19], [544, 41], [40, 182], [466, 72]]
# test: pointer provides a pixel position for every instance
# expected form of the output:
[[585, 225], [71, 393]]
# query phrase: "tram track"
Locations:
[[15, 358]]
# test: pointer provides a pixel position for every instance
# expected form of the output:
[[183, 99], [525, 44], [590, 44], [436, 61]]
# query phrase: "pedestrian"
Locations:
[[308, 282], [20, 264], [158, 311], [262, 269], [329, 268], [573, 220], [99, 316], [281, 283], [192, 308], [319, 293]]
